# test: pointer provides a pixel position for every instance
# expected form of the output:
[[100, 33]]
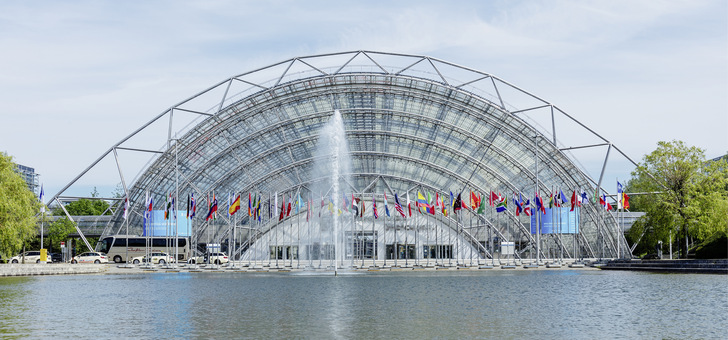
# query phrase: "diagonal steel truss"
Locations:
[[355, 82]]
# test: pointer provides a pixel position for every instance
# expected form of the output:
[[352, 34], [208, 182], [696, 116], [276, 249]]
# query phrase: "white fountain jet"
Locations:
[[333, 163]]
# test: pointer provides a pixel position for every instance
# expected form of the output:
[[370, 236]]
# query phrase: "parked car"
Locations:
[[216, 258], [90, 257], [156, 258], [56, 257], [32, 256]]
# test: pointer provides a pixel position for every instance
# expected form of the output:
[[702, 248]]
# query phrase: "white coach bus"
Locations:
[[117, 250]]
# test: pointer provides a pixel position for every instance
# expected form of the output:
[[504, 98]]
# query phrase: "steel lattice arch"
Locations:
[[413, 123]]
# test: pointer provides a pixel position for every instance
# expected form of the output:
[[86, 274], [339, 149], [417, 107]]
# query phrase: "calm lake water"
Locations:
[[403, 305]]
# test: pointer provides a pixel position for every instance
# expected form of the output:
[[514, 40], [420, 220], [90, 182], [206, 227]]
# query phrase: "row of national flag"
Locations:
[[424, 204]]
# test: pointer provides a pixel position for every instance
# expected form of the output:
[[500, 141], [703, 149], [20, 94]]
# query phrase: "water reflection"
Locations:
[[13, 292], [489, 304]]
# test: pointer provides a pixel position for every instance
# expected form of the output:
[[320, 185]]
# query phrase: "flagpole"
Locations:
[[429, 251], [568, 226], [384, 227], [321, 236], [427, 240], [126, 221], [449, 230], [406, 237], [619, 213], [395, 249], [298, 232], [235, 232], [384, 232], [470, 230], [538, 222]]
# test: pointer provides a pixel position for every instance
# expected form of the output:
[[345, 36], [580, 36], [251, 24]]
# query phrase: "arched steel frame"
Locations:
[[413, 122]]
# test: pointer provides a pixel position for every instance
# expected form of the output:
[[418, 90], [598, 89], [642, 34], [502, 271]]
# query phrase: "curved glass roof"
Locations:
[[411, 122]]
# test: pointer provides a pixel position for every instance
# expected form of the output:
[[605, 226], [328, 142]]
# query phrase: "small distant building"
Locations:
[[30, 177], [716, 159]]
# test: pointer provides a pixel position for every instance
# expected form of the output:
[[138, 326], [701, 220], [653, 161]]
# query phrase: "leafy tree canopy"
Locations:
[[60, 229], [86, 207], [18, 209], [690, 199]]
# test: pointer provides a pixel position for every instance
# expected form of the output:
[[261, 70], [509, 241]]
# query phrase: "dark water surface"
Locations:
[[561, 304]]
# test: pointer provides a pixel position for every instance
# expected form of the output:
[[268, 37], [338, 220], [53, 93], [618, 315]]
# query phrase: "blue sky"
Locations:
[[79, 76]]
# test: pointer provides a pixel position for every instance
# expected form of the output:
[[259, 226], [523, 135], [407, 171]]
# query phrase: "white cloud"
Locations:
[[108, 67]]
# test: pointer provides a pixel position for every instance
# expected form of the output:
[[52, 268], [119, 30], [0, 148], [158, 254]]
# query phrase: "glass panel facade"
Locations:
[[403, 133]]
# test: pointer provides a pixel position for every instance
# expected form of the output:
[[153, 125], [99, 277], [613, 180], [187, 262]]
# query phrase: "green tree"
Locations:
[[18, 209], [59, 230], [690, 200], [85, 207], [82, 207]]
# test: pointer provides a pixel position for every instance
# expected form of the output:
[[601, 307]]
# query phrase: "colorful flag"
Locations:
[[502, 205], [386, 205], [457, 205], [625, 200], [258, 208], [354, 205], [299, 203], [42, 205], [493, 198], [551, 201], [604, 203], [212, 209], [584, 198], [409, 205], [619, 195], [443, 207], [539, 204], [574, 201], [421, 202], [235, 206], [609, 206], [167, 206], [250, 204], [518, 204], [288, 211], [398, 206], [374, 207], [474, 201], [126, 204], [346, 203], [562, 198], [283, 208], [150, 202], [527, 207], [147, 203], [481, 206]]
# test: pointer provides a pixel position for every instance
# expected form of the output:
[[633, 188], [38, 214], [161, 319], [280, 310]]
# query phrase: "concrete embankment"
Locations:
[[671, 266], [50, 269]]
